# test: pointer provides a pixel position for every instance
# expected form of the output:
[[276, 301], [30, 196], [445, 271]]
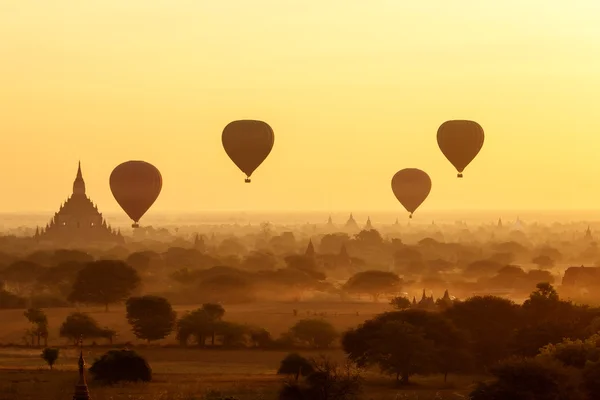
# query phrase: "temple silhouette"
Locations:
[[78, 221]]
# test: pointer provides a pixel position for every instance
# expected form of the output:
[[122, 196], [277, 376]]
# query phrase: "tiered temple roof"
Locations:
[[78, 220]]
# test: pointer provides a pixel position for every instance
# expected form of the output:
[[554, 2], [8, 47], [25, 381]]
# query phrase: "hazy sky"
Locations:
[[354, 90]]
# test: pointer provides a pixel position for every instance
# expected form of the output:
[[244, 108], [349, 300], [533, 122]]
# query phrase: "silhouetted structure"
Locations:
[[78, 221], [199, 243], [310, 249], [351, 223], [499, 222], [330, 224], [368, 225], [588, 234], [81, 389]]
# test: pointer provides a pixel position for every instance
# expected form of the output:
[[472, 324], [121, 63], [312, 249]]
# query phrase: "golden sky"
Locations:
[[354, 90]]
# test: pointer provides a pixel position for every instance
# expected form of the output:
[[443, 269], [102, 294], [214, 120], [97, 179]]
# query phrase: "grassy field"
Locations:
[[195, 373], [274, 317]]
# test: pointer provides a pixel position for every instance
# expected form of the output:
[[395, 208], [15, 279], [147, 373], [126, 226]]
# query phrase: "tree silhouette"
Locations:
[[316, 333], [295, 364], [50, 355], [374, 283], [104, 282], [151, 317]]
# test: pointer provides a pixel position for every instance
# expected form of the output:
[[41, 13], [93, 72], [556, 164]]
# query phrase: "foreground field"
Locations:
[[193, 374], [274, 317]]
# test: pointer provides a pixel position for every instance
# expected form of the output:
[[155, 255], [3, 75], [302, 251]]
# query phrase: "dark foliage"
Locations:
[[121, 366]]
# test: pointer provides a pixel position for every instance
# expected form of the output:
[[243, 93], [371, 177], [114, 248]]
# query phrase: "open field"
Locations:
[[274, 317], [194, 373]]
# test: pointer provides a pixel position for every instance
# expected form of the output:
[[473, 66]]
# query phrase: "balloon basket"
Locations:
[[459, 175], [410, 216], [135, 225], [247, 180]]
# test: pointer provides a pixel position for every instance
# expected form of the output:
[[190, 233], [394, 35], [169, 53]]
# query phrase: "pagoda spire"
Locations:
[[81, 389], [588, 233], [79, 184], [368, 225], [310, 249]]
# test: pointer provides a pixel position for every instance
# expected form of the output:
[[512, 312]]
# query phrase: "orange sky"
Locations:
[[355, 90]]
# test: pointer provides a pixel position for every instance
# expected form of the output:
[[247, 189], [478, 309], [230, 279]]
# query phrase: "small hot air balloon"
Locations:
[[248, 143], [460, 141], [135, 186], [411, 187]]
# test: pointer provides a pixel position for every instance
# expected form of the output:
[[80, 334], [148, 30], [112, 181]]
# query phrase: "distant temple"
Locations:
[[310, 249], [588, 234], [368, 226], [351, 224], [78, 221], [330, 222]]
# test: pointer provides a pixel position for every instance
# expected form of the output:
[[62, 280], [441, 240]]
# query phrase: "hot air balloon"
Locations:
[[135, 186], [460, 141], [411, 187], [248, 143]]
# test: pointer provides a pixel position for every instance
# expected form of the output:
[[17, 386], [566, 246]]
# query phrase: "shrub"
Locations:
[[121, 366], [296, 365], [316, 333], [50, 355]]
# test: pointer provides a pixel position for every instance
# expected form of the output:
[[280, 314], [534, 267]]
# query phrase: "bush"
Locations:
[[520, 379], [296, 365], [591, 379], [121, 366], [328, 381], [315, 333], [50, 356]]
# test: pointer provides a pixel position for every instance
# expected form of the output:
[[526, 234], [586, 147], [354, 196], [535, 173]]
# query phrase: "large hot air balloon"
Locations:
[[248, 143], [411, 187], [136, 186], [460, 141]]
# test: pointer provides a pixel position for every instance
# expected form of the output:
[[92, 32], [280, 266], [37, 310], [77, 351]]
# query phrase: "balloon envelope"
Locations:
[[411, 187], [135, 186], [248, 143], [460, 141]]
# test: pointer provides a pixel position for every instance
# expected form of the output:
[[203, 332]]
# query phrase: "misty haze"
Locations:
[[336, 200]]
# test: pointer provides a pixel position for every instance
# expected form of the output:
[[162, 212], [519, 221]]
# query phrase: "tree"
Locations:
[[60, 278], [80, 325], [20, 275], [306, 264], [400, 303], [104, 282], [374, 283], [50, 355], [543, 261], [406, 342], [574, 353], [329, 381], [490, 322], [316, 333], [40, 321], [200, 324], [121, 366], [151, 317], [401, 349], [296, 365], [591, 379], [529, 379], [145, 261]]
